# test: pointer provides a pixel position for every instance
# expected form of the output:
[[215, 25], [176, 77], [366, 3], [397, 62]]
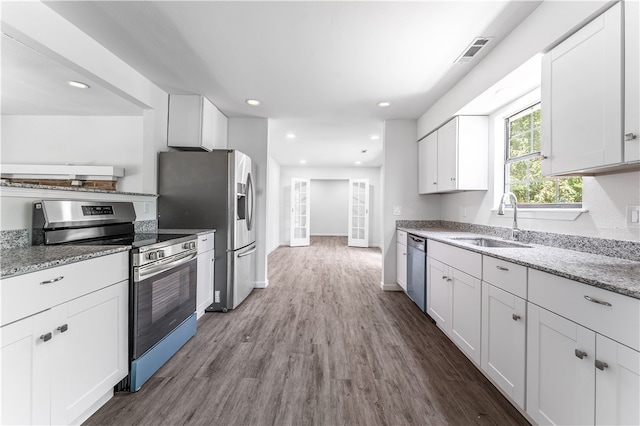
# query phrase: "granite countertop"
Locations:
[[18, 261], [609, 273], [186, 231], [4, 183]]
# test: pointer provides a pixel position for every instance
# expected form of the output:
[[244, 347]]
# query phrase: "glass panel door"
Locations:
[[300, 212], [358, 213]]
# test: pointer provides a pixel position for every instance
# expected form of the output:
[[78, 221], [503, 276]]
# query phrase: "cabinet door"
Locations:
[[26, 371], [214, 127], [428, 164], [582, 98], [448, 156], [560, 372], [401, 265], [204, 296], [503, 340], [617, 384], [90, 351], [465, 313], [438, 293], [632, 82]]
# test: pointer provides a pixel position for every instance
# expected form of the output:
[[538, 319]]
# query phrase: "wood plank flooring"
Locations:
[[322, 345]]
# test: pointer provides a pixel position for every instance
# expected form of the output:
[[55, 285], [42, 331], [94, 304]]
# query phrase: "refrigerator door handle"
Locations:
[[249, 205], [247, 253]]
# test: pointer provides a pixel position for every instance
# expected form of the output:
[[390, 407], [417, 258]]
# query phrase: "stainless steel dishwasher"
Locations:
[[416, 271]]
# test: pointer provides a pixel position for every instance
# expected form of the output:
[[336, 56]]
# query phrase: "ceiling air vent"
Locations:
[[472, 50]]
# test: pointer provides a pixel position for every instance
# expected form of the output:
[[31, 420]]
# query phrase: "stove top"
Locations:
[[134, 240]]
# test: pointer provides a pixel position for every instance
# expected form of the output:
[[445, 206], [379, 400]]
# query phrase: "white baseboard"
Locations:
[[261, 284], [390, 287]]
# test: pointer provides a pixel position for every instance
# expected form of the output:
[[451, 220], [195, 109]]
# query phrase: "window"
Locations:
[[523, 168]]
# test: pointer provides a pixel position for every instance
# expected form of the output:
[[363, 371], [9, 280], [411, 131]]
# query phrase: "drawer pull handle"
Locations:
[[515, 317], [580, 354], [601, 365], [63, 328], [599, 302], [54, 280], [502, 268], [46, 337], [629, 137]]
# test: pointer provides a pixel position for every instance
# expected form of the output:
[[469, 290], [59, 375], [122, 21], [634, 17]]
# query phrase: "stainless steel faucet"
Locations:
[[514, 201]]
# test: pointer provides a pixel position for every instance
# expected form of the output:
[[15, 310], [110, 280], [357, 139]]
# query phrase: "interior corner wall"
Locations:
[[250, 136], [331, 173], [400, 188], [273, 205]]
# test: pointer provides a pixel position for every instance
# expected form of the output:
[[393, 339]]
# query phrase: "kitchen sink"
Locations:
[[490, 242]]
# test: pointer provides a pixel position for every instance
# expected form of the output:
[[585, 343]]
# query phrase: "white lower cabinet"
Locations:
[[455, 305], [577, 376], [61, 364], [504, 338], [206, 269], [401, 259], [560, 376]]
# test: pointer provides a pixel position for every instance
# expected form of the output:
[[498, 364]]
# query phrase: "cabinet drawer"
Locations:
[[28, 294], [205, 242], [505, 275], [401, 237], [461, 259], [619, 319]]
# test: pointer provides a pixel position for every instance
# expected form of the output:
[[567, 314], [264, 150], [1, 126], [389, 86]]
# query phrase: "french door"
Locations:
[[300, 212], [358, 213]]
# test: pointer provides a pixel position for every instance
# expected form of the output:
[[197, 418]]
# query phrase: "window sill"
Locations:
[[545, 214]]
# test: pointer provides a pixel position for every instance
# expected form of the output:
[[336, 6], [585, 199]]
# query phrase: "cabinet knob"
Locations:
[[601, 365], [580, 354], [63, 328], [46, 337], [630, 136], [515, 317], [444, 277], [453, 178], [435, 183]]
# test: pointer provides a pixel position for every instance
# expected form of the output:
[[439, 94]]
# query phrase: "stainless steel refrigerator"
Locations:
[[214, 190]]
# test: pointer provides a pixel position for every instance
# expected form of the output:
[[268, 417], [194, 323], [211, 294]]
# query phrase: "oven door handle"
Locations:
[[144, 272]]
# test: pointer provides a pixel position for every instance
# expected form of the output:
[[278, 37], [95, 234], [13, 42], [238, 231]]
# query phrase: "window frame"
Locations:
[[532, 155]]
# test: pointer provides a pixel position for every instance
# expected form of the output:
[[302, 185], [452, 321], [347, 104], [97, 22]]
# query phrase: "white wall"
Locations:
[[250, 136], [331, 173], [400, 188], [330, 207], [273, 205], [105, 141]]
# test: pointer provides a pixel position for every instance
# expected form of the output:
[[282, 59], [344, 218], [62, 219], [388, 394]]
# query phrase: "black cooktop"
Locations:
[[133, 240]]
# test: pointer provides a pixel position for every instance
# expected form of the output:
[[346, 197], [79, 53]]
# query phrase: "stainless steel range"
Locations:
[[163, 274]]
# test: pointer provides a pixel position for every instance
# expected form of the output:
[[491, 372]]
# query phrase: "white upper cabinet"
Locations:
[[583, 98], [632, 81], [195, 123], [454, 157]]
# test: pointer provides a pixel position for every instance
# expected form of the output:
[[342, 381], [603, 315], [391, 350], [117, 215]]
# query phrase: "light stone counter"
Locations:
[[610, 273]]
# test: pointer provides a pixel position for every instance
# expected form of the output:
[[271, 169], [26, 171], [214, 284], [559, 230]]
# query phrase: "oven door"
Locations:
[[164, 295]]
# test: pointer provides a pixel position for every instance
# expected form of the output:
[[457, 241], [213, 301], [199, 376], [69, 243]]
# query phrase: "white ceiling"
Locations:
[[318, 67]]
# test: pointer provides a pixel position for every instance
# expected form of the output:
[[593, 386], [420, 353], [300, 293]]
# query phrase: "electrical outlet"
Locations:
[[397, 210], [633, 216]]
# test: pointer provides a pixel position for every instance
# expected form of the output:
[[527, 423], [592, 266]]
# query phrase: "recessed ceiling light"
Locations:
[[253, 102], [290, 136], [303, 161], [358, 162], [375, 137], [384, 104], [78, 84]]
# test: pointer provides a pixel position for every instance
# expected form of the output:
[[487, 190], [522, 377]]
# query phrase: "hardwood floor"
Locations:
[[322, 345]]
